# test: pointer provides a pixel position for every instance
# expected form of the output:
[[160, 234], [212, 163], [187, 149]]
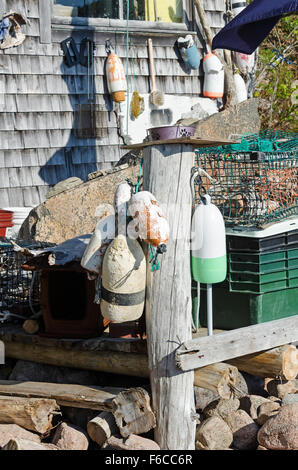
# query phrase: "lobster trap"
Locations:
[[253, 183], [19, 288]]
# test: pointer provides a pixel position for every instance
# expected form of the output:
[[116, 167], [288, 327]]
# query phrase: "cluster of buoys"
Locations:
[[119, 262]]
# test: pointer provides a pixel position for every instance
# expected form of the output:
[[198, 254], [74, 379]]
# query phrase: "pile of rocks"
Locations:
[[250, 421]]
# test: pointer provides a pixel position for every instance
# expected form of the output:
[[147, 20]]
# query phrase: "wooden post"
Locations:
[[167, 173]]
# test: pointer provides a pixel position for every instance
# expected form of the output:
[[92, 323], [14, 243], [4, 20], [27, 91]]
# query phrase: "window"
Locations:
[[169, 11]]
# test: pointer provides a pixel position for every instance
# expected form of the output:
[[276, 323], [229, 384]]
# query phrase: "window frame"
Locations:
[[121, 23]]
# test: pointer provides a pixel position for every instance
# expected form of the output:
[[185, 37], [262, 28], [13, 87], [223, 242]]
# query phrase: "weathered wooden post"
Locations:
[[167, 173]]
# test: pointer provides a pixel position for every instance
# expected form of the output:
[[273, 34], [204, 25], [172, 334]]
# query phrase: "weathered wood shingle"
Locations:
[[38, 142]]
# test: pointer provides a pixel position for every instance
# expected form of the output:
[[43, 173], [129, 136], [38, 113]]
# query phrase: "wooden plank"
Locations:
[[240, 342], [168, 297], [77, 396], [45, 16], [181, 140]]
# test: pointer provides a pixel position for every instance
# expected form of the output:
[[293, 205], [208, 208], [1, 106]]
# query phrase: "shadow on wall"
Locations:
[[78, 157]]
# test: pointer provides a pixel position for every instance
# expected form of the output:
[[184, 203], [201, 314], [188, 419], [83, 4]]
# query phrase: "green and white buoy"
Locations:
[[209, 256]]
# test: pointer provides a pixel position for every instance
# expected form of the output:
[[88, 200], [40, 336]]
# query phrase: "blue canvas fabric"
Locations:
[[4, 25], [248, 29]]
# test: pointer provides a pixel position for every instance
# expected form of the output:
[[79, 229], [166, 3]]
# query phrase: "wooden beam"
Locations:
[[76, 396], [45, 21], [278, 362], [105, 361], [230, 344], [195, 141], [219, 377], [34, 414], [167, 170]]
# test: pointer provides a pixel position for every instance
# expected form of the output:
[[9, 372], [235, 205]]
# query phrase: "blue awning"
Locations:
[[248, 29]]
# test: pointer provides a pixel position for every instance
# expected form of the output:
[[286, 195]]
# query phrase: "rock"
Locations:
[[27, 371], [70, 437], [13, 431], [236, 120], [78, 416], [251, 403], [261, 448], [204, 108], [64, 185], [73, 212], [203, 397], [280, 388], [280, 432], [213, 434], [133, 442], [289, 399], [266, 410], [221, 407], [7, 368], [244, 430]]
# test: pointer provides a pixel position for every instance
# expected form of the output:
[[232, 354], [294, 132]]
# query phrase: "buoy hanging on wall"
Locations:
[[214, 77], [116, 79], [238, 6], [149, 223], [123, 280], [209, 258], [189, 51], [240, 87]]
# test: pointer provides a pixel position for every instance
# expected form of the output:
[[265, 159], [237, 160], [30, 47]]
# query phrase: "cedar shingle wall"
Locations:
[[38, 146]]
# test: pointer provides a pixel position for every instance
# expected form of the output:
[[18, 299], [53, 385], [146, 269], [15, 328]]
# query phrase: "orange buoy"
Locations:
[[116, 79]]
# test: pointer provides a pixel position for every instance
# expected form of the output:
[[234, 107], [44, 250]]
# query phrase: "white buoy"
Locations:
[[123, 280], [116, 79], [214, 77], [240, 87]]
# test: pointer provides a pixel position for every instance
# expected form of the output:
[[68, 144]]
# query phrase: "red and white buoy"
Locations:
[[214, 77], [116, 79]]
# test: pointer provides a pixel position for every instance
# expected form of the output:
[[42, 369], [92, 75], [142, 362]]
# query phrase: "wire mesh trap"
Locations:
[[19, 289], [255, 186]]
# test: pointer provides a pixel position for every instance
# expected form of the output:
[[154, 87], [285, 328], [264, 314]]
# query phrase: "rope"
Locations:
[[152, 251], [127, 79]]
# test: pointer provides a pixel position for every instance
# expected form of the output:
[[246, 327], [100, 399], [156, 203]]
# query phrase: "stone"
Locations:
[[244, 430], [64, 185], [75, 211], [266, 410], [70, 437], [13, 431], [261, 448], [213, 434], [280, 388], [27, 371], [204, 108], [234, 121], [203, 397], [133, 442], [289, 399], [280, 432], [221, 407], [251, 403]]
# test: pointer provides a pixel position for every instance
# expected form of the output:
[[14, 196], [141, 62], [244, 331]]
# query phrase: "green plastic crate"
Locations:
[[236, 310], [264, 268], [255, 282]]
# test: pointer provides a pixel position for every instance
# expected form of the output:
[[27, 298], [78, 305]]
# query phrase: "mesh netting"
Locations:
[[253, 187]]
